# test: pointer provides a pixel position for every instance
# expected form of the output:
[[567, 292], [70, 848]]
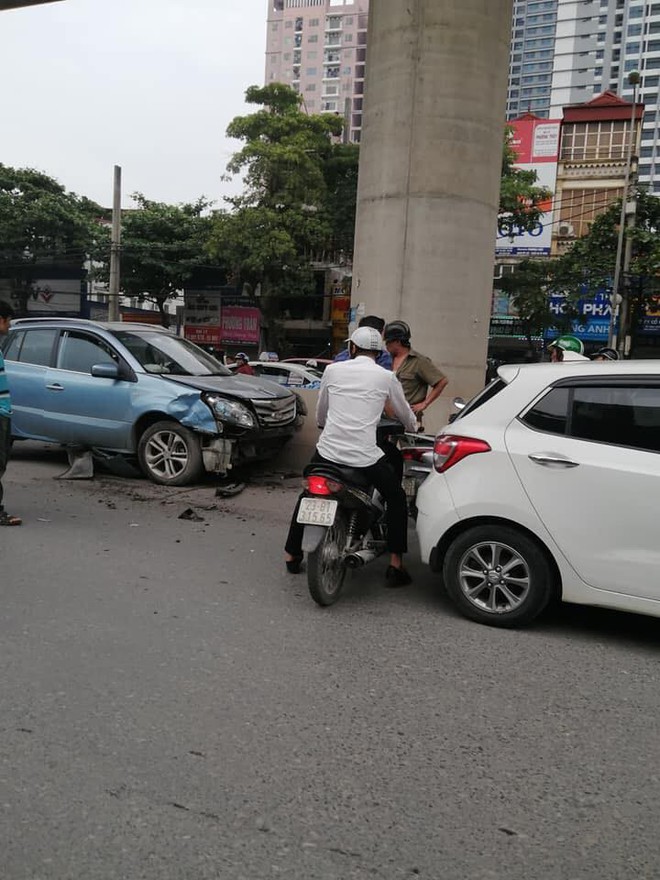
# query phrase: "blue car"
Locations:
[[140, 391]]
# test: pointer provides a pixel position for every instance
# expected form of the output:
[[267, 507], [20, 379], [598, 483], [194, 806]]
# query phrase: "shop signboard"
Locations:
[[536, 145], [593, 321], [57, 296], [208, 322]]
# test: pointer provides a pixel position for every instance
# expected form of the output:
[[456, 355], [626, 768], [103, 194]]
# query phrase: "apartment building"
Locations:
[[592, 46], [531, 61], [319, 47]]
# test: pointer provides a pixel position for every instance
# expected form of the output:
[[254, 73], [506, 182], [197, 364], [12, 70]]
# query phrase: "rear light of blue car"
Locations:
[[449, 449]]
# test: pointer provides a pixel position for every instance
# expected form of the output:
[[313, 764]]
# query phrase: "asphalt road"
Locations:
[[173, 705]]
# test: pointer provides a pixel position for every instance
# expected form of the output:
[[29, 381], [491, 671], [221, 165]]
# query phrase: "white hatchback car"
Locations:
[[548, 484]]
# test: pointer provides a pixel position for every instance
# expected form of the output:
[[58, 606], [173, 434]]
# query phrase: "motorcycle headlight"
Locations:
[[231, 412]]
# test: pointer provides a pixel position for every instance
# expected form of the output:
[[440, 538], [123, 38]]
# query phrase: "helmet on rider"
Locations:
[[606, 354], [568, 343], [397, 331], [567, 348]]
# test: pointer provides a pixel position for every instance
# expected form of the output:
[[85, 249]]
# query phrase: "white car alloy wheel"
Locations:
[[494, 577], [499, 575]]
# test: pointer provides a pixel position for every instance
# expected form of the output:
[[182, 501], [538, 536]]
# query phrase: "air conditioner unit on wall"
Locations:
[[566, 230]]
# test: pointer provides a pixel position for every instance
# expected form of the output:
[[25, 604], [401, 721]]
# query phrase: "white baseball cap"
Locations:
[[367, 338]]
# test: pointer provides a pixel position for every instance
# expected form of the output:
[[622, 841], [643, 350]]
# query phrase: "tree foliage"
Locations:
[[589, 266], [530, 289], [161, 247], [590, 262], [41, 224], [294, 175]]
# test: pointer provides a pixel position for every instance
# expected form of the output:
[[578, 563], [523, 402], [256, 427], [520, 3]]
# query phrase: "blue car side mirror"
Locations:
[[105, 371]]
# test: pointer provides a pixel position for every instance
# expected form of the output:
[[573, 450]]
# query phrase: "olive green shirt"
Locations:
[[416, 374]]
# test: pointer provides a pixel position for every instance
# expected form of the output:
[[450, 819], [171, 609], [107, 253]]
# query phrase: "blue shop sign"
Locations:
[[593, 323]]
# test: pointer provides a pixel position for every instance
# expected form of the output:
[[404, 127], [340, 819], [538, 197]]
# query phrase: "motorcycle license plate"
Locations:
[[317, 511]]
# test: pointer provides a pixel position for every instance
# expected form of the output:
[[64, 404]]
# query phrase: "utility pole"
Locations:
[[115, 248], [620, 301]]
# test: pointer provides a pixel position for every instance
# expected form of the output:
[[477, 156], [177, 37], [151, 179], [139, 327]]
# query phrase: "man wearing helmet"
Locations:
[[421, 380], [351, 401], [244, 367], [565, 349], [605, 354]]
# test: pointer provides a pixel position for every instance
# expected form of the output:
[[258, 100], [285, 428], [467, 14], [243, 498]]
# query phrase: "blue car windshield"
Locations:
[[167, 355]]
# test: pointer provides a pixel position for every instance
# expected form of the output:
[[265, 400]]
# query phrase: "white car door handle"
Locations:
[[55, 387], [547, 460]]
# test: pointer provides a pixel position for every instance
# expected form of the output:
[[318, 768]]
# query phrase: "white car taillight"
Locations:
[[449, 449]]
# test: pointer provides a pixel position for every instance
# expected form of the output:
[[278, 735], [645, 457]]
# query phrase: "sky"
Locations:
[[149, 85]]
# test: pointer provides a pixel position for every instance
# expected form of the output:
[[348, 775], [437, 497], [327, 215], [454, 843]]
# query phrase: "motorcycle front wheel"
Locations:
[[326, 568]]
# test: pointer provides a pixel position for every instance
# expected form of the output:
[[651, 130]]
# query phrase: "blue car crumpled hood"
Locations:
[[242, 387]]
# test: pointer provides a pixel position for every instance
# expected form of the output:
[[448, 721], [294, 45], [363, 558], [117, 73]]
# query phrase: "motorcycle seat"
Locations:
[[341, 473]]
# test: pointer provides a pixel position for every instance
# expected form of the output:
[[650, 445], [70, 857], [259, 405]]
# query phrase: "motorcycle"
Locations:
[[344, 518]]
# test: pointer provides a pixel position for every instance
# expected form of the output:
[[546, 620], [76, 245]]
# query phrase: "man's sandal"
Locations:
[[7, 520]]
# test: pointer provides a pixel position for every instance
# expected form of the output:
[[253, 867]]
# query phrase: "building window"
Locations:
[[580, 207], [592, 141]]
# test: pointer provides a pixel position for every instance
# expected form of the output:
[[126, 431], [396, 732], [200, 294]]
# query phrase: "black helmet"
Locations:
[[606, 354], [397, 330]]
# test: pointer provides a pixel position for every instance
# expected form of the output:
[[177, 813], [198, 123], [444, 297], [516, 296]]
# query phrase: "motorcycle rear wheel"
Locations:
[[326, 568]]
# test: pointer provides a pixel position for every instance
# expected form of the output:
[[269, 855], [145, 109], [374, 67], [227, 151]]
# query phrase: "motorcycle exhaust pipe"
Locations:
[[360, 558]]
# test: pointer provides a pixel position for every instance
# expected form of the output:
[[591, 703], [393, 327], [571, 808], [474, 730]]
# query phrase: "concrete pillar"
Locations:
[[430, 167]]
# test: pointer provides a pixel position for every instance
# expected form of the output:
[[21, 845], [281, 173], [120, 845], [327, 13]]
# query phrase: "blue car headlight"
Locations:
[[231, 412]]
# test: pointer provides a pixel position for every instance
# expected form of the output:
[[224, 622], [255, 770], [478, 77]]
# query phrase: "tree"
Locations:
[[588, 267], [41, 224], [530, 288], [590, 262], [161, 247], [283, 218], [341, 180]]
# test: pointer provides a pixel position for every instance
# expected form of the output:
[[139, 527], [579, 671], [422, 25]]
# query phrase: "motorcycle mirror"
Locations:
[[459, 403]]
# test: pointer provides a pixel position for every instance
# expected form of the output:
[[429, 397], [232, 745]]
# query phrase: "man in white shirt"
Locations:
[[353, 395]]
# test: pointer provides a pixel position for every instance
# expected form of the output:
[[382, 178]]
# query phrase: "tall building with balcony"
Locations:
[[319, 47]]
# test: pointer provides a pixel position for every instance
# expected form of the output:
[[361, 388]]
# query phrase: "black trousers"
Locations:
[[5, 445], [384, 478]]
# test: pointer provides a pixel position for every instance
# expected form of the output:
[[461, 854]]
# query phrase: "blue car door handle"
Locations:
[[55, 387]]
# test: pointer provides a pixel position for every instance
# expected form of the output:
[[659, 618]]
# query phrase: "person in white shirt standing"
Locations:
[[352, 398]]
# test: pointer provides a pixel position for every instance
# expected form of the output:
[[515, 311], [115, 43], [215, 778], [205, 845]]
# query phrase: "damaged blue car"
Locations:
[[141, 392]]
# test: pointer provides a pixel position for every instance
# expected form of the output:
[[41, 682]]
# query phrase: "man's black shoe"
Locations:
[[397, 577], [294, 566]]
